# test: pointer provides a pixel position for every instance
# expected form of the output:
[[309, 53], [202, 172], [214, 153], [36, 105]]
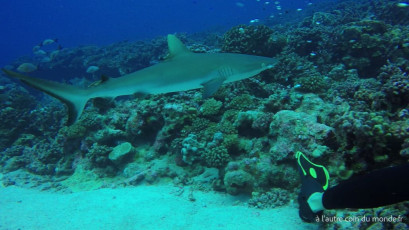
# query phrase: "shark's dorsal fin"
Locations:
[[176, 47]]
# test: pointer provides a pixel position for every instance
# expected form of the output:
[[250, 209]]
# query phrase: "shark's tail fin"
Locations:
[[75, 98]]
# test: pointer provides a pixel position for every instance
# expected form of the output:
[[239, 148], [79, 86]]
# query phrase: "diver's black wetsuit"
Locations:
[[378, 188]]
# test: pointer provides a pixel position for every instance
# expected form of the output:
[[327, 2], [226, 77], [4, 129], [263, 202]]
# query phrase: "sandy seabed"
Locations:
[[141, 207]]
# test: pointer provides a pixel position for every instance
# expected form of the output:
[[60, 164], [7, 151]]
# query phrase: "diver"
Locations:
[[378, 188]]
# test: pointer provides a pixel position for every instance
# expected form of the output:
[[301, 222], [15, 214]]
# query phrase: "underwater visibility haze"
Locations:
[[93, 22], [212, 114]]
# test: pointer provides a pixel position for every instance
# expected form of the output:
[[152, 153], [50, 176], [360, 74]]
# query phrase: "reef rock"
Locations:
[[298, 131], [121, 151]]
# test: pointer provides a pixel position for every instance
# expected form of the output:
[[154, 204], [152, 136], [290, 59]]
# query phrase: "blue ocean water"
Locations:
[[26, 23]]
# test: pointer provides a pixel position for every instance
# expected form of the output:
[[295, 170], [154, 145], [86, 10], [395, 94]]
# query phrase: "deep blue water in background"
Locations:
[[25, 23]]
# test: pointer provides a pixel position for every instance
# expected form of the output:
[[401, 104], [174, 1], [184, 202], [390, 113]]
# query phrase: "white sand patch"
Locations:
[[142, 207]]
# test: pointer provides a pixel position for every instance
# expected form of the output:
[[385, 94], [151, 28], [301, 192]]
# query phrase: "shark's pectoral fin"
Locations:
[[210, 87], [74, 110], [218, 77]]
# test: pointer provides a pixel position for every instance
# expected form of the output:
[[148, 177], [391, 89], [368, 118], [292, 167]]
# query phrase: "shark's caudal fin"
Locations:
[[75, 98]]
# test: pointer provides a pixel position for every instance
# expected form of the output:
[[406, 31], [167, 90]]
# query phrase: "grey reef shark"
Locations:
[[182, 70]]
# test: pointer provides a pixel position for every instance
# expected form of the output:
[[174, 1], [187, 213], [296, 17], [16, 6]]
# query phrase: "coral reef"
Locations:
[[210, 107], [276, 197], [292, 131], [257, 40], [216, 156], [238, 182], [191, 149], [121, 151]]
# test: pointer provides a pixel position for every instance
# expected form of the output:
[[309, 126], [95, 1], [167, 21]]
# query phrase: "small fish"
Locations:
[[239, 4], [54, 54], [92, 69], [402, 4], [27, 68], [40, 52], [36, 48], [45, 59], [48, 42]]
